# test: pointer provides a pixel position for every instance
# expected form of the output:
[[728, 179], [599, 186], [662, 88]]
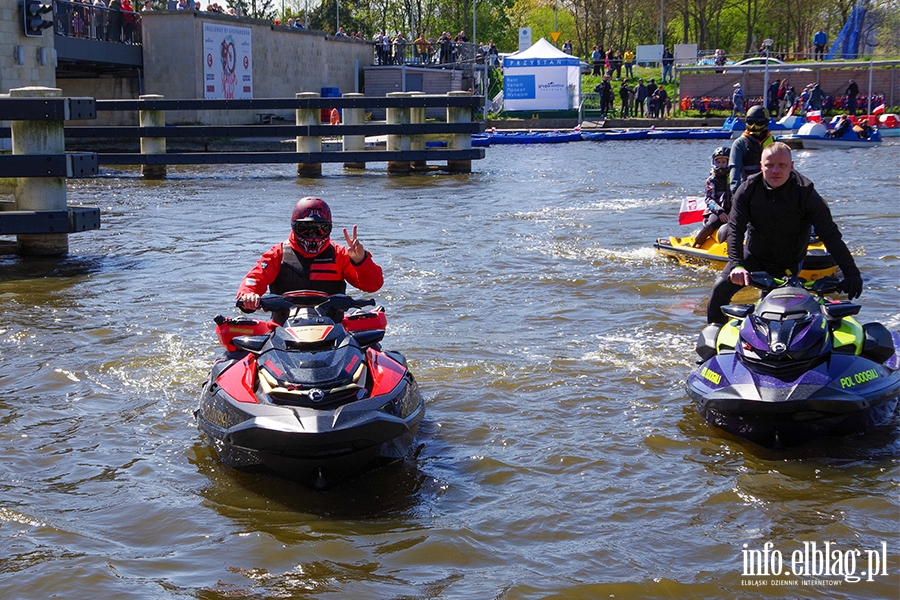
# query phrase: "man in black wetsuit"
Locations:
[[777, 208], [746, 150]]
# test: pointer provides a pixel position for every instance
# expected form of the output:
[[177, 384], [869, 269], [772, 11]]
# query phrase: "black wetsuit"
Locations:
[[778, 223]]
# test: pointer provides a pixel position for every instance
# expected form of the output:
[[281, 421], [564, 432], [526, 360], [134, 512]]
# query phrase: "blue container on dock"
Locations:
[[330, 92]]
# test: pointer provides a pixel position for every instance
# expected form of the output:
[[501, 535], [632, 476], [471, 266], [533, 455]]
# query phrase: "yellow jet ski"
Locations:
[[711, 253]]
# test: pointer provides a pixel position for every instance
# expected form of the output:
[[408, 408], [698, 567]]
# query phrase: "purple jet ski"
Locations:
[[795, 366]]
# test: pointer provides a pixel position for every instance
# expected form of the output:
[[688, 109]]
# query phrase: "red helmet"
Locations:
[[311, 224]]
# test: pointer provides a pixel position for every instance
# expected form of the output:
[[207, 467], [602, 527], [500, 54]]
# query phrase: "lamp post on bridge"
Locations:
[[768, 44]]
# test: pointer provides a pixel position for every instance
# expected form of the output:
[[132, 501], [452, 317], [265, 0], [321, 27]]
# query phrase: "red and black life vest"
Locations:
[[319, 273]]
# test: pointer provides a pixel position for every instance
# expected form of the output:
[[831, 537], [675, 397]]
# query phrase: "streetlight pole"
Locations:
[[337, 11]]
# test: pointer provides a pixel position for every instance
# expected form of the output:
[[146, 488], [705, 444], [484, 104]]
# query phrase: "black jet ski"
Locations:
[[795, 366], [310, 395]]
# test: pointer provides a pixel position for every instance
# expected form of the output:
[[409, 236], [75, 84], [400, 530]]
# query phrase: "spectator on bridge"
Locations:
[[422, 48], [737, 100], [628, 62], [720, 58], [640, 97], [114, 21], [782, 100], [668, 59], [399, 49], [597, 62], [615, 65], [852, 93], [772, 97], [660, 98], [816, 97], [128, 20], [567, 47], [446, 45], [626, 94], [98, 18], [493, 54], [651, 88], [182, 5], [790, 97], [819, 42]]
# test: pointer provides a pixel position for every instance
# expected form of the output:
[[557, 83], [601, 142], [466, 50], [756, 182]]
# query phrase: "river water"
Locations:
[[560, 456]]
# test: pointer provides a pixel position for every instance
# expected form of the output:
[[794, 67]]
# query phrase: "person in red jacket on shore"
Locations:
[[309, 260]]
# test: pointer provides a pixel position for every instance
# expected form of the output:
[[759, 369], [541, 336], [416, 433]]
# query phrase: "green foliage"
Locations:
[[736, 26]]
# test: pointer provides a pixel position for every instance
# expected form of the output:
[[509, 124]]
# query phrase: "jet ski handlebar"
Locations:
[[824, 285], [308, 298]]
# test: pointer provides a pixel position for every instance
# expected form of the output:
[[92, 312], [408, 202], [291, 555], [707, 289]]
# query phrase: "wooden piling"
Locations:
[[459, 141], [354, 116], [39, 193], [309, 116], [152, 118], [395, 142]]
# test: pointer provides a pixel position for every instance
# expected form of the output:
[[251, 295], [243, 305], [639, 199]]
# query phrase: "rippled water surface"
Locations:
[[560, 456]]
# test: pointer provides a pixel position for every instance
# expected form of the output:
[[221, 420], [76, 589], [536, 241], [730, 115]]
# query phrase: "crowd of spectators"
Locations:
[[428, 51], [115, 21]]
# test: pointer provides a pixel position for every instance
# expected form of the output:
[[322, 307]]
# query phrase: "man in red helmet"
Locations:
[[308, 260]]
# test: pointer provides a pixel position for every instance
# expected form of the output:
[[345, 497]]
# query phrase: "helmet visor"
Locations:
[[309, 229]]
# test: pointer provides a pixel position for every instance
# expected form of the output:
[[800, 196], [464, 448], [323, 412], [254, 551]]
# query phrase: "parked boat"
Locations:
[[688, 134], [888, 124], [815, 136], [626, 134], [788, 124], [490, 138]]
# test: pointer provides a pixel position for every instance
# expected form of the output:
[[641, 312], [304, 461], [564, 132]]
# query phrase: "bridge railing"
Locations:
[[96, 22], [40, 216], [38, 139]]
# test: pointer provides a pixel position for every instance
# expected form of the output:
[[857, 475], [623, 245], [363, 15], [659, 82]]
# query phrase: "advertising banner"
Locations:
[[541, 78], [227, 62]]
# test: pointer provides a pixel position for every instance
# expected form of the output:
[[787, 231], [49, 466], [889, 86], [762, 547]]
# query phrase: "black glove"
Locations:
[[852, 286]]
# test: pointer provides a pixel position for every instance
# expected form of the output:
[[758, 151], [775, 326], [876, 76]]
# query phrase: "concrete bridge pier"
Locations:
[[309, 116], [398, 116], [152, 118], [39, 193], [459, 141], [417, 115], [354, 143]]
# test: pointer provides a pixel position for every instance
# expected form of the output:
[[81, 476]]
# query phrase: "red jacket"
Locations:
[[327, 272]]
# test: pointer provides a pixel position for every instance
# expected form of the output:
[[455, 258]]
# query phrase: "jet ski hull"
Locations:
[[841, 395], [314, 447]]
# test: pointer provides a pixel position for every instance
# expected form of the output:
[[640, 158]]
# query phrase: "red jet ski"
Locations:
[[310, 395]]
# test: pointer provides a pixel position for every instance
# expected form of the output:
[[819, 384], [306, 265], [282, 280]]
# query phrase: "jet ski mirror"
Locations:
[[762, 280], [835, 312], [250, 343], [737, 311], [826, 285]]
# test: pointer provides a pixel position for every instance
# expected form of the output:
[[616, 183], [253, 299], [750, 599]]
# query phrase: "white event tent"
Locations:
[[541, 78]]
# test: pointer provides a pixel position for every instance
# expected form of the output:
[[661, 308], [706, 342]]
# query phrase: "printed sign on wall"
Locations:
[[227, 62]]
